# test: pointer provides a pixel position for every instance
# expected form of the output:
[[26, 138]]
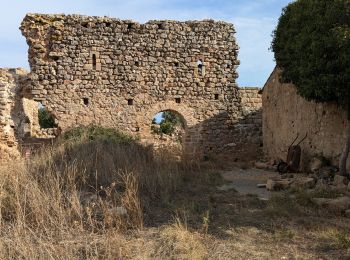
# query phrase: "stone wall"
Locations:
[[12, 121], [121, 74], [286, 114], [249, 127]]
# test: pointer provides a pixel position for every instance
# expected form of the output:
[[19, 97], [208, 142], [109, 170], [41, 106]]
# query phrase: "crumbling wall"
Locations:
[[14, 125], [286, 114], [121, 73]]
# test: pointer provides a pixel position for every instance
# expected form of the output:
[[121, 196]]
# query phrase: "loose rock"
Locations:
[[275, 185], [304, 183], [339, 204]]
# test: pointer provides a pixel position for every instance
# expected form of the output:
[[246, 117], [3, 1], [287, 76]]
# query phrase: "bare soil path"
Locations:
[[245, 181]]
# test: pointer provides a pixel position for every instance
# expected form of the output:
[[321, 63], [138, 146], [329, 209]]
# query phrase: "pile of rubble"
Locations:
[[320, 177]]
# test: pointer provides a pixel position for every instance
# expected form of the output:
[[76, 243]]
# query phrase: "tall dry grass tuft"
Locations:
[[92, 184]]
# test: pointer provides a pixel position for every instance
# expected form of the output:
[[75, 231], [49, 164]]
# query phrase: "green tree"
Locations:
[[168, 123], [46, 120], [312, 48], [171, 117]]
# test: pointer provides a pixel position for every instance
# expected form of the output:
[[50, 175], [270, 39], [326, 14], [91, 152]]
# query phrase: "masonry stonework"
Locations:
[[121, 73], [286, 114], [14, 123]]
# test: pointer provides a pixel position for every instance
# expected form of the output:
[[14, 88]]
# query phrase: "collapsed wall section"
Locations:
[[14, 124]]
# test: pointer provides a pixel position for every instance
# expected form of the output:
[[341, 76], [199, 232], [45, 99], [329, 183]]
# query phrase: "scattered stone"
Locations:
[[261, 165], [316, 164], [327, 173], [340, 180], [275, 185], [339, 204], [320, 201], [304, 183]]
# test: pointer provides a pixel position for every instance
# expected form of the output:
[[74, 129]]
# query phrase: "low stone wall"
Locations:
[[286, 115]]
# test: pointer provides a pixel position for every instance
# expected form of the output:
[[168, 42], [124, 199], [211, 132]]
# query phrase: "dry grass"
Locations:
[[110, 198]]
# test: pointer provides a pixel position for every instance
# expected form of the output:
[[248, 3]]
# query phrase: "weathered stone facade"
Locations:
[[13, 120], [121, 73], [286, 114]]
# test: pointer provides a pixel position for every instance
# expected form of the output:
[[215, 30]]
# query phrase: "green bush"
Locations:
[[46, 120], [167, 128], [96, 133]]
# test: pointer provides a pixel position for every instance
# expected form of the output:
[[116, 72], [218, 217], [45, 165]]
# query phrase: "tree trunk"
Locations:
[[346, 149]]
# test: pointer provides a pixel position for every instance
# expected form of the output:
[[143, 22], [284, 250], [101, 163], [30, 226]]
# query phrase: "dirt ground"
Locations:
[[236, 220], [245, 181]]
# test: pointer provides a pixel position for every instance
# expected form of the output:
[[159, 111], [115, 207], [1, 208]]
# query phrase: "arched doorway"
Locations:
[[168, 129], [191, 137]]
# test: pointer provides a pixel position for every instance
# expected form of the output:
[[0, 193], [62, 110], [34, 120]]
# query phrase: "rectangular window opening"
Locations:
[[86, 101], [94, 61], [216, 96], [130, 102], [178, 100]]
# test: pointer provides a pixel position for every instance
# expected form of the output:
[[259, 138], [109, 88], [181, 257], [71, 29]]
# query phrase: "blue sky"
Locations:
[[254, 21]]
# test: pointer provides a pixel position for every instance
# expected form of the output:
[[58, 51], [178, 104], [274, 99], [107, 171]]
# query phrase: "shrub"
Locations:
[[46, 120], [97, 133]]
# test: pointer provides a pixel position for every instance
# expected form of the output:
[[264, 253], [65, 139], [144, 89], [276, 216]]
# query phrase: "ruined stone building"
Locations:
[[286, 114], [120, 74]]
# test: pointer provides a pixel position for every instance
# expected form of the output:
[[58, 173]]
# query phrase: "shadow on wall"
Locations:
[[236, 140]]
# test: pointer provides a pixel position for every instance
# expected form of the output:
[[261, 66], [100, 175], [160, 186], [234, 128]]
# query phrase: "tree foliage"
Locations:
[[46, 120], [312, 47], [168, 123]]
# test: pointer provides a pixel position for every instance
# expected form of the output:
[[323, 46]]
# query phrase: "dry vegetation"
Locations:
[[97, 194]]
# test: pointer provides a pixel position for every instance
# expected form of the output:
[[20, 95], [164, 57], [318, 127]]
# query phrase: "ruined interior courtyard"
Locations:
[[100, 180]]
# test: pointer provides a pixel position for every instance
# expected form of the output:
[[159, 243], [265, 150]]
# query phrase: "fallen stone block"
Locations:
[[261, 165], [304, 183], [275, 185]]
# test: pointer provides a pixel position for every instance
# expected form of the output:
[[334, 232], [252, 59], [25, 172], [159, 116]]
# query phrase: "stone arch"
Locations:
[[192, 138]]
